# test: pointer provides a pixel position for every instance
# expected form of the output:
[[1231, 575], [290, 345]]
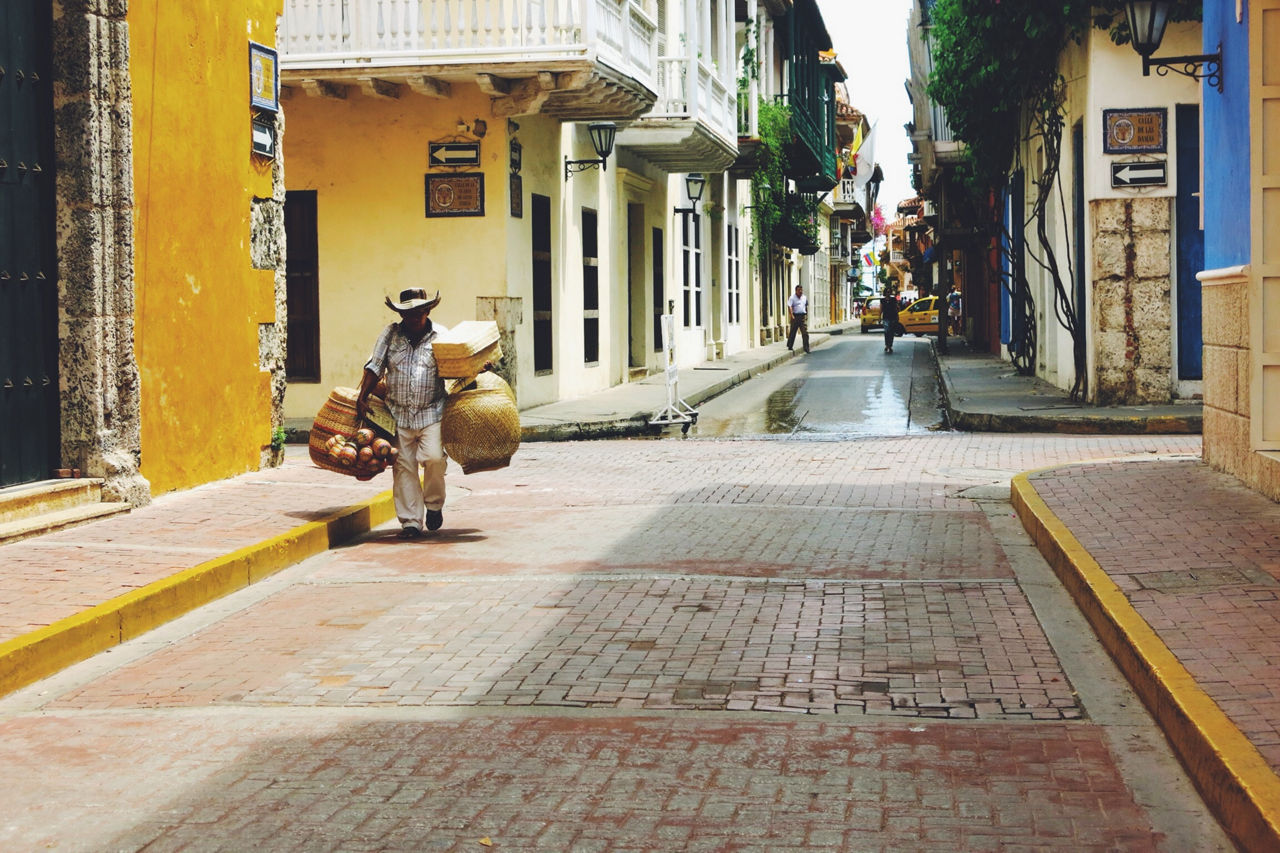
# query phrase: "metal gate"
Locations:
[[29, 423]]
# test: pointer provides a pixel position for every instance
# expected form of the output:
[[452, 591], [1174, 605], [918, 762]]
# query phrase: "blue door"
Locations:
[[1190, 242]]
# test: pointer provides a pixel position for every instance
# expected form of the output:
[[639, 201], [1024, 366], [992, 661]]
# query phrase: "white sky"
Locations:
[[870, 40]]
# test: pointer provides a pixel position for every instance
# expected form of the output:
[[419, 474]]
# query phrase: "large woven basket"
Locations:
[[461, 352], [337, 417], [481, 426]]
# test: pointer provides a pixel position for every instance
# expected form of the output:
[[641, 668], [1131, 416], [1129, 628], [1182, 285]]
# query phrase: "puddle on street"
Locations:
[[780, 409]]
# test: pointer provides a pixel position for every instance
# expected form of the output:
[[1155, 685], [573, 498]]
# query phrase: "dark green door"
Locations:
[[29, 436]]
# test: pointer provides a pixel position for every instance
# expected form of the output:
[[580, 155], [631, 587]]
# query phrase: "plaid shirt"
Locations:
[[415, 391]]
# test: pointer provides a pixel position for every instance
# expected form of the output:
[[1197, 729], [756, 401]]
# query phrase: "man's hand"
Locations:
[[362, 408]]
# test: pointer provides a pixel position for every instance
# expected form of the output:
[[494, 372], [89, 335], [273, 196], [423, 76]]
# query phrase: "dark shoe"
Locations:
[[435, 518], [409, 533], [806, 350]]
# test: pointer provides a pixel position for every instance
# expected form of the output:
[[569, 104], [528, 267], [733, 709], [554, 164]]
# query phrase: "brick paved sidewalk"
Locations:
[[1194, 557], [57, 590]]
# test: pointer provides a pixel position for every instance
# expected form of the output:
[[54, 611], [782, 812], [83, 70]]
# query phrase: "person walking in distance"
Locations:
[[798, 311], [889, 317], [415, 396], [954, 303]]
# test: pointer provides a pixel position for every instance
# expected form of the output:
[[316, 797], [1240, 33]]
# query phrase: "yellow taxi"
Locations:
[[871, 314], [921, 316]]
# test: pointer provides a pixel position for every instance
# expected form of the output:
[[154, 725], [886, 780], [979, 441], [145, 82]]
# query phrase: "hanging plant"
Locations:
[[802, 218], [768, 183]]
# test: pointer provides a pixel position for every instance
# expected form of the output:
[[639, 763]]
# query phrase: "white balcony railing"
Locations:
[[710, 101], [405, 33], [848, 192]]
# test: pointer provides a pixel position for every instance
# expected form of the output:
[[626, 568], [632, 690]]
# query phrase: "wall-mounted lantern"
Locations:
[[1147, 21], [694, 184], [602, 134]]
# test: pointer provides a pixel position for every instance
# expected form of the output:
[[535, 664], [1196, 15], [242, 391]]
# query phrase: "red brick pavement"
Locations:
[[1198, 556], [60, 574], [612, 598], [962, 651], [238, 780]]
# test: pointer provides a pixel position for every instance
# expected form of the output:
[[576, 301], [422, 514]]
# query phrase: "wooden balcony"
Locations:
[[575, 59]]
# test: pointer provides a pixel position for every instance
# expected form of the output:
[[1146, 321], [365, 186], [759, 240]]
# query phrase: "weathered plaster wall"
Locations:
[[1131, 301], [207, 244], [99, 384]]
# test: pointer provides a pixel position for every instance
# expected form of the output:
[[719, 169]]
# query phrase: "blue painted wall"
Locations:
[[1226, 139]]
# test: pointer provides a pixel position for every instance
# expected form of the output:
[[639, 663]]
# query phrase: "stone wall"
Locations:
[[99, 383], [1228, 361], [267, 251], [1133, 342]]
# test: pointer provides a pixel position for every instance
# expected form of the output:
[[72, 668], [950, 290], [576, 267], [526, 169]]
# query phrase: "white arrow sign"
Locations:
[[1138, 174], [455, 153], [264, 139]]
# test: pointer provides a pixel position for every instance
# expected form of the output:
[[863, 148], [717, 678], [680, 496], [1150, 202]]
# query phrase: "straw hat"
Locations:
[[414, 297]]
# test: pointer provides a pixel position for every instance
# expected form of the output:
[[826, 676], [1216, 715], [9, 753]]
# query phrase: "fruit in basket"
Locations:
[[364, 437], [365, 455], [381, 448]]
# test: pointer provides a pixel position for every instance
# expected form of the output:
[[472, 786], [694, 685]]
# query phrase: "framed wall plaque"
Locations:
[[264, 78], [1135, 131], [517, 197], [455, 195]]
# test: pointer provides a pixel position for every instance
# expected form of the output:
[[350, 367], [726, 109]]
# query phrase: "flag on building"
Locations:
[[866, 159]]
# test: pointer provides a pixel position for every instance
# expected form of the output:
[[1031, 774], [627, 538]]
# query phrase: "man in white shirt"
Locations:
[[798, 311]]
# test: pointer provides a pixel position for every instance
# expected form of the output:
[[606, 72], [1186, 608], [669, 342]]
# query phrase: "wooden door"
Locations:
[[29, 417]]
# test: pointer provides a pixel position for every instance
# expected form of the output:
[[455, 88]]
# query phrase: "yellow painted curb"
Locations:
[[41, 653], [1232, 776]]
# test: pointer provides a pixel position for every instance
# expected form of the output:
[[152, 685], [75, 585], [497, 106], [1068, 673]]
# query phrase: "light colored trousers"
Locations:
[[419, 448]]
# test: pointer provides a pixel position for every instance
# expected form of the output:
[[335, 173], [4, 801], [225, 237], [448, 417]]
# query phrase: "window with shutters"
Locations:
[[302, 277], [733, 275], [543, 342], [590, 287], [659, 288]]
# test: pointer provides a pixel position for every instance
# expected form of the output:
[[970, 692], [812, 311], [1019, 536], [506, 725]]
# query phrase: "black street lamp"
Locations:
[[1147, 21], [602, 134], [694, 184]]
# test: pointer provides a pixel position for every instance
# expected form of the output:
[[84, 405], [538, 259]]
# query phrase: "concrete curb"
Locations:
[[41, 653], [1097, 424], [1232, 777]]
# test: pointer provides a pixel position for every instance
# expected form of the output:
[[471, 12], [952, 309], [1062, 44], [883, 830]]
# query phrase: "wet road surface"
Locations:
[[846, 388]]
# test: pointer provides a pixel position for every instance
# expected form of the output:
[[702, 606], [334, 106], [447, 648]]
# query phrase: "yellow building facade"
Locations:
[[206, 307], [149, 263]]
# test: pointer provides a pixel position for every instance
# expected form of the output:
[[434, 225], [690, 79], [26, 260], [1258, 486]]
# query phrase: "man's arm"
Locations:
[[367, 384]]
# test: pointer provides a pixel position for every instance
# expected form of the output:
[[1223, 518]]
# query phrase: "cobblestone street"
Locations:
[[631, 645]]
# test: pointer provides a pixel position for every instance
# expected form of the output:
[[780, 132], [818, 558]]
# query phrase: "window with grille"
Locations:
[[691, 254], [733, 275]]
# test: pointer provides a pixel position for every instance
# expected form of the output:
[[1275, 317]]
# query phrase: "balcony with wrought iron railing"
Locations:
[[548, 55]]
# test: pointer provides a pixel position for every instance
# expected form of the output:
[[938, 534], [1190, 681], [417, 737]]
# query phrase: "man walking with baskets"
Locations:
[[415, 397]]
